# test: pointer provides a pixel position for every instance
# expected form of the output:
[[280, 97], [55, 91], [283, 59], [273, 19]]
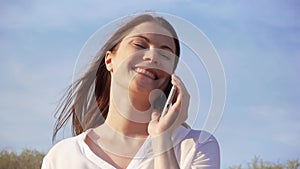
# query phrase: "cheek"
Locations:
[[168, 67], [164, 82], [126, 62]]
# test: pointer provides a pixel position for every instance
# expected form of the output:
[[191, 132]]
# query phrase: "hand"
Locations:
[[175, 116]]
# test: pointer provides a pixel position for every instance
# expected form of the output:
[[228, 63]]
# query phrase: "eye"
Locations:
[[166, 54], [139, 44]]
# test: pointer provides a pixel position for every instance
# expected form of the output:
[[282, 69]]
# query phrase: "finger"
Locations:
[[155, 117], [182, 99], [176, 79], [178, 83]]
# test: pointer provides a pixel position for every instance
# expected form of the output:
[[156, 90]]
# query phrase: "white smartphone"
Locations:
[[169, 101]]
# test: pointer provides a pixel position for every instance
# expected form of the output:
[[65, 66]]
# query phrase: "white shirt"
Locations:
[[190, 151]]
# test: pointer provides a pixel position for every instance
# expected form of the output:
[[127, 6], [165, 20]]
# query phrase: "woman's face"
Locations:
[[144, 59]]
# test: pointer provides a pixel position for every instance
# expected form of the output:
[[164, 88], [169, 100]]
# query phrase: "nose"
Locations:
[[151, 56]]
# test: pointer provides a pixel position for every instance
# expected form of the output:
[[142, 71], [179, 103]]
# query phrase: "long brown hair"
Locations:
[[86, 101]]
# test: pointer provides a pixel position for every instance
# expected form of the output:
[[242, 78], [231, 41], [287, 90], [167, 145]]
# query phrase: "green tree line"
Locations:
[[258, 163], [32, 159], [27, 159]]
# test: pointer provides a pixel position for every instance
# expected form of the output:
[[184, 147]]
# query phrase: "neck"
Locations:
[[125, 126], [129, 112]]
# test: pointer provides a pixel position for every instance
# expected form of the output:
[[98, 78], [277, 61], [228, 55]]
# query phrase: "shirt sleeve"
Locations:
[[46, 163], [207, 155]]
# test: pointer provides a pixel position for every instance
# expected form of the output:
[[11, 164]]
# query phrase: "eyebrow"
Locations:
[[148, 40]]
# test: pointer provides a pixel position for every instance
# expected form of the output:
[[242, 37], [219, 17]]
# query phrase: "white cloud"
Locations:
[[272, 13], [290, 138], [282, 123], [29, 95], [51, 14], [58, 14], [62, 13]]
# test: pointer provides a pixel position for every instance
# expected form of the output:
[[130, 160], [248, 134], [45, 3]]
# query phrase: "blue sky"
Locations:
[[257, 41]]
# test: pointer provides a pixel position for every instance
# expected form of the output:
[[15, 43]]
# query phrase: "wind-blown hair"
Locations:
[[86, 101]]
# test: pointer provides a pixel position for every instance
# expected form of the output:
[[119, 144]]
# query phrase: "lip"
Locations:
[[148, 72]]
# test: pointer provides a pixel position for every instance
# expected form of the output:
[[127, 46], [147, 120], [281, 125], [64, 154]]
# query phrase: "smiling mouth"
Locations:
[[146, 72]]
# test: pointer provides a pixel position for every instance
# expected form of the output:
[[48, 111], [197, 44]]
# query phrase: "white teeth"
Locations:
[[140, 70]]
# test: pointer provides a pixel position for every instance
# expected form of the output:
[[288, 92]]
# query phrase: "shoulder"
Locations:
[[70, 148], [67, 145], [198, 148], [69, 153], [199, 137], [202, 137], [205, 142]]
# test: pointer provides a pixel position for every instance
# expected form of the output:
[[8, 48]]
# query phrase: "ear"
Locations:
[[108, 61]]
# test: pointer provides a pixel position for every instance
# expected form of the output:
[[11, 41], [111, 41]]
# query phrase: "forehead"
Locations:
[[155, 33], [150, 28]]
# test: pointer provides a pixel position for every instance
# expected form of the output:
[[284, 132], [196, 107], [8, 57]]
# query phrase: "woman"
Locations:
[[116, 106]]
